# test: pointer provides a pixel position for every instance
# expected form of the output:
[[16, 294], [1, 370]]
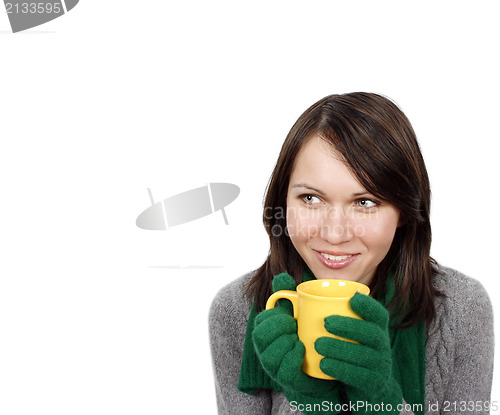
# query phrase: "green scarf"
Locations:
[[408, 358]]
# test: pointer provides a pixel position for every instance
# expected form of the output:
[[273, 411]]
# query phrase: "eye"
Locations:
[[310, 199], [366, 203]]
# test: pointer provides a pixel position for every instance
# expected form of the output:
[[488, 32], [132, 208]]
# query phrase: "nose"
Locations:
[[336, 228]]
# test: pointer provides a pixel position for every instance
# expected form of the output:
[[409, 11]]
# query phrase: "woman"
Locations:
[[349, 199]]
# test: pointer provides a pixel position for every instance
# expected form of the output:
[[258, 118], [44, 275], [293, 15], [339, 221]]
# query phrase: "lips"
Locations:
[[336, 260]]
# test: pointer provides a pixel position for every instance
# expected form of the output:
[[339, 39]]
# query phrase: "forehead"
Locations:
[[320, 163]]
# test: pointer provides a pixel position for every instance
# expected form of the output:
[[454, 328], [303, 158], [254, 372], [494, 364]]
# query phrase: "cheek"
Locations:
[[377, 234], [301, 224]]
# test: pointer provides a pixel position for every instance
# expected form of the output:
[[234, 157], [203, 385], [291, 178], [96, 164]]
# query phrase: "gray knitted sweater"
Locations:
[[459, 351]]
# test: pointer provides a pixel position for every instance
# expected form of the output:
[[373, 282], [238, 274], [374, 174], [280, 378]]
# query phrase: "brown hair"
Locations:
[[379, 146]]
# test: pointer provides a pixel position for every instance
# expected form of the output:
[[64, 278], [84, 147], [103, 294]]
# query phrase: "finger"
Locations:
[[266, 332], [353, 353], [291, 365], [352, 375], [285, 305], [266, 314], [284, 281], [364, 332], [290, 373], [273, 355], [370, 309]]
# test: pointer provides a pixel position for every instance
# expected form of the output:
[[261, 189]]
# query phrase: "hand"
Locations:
[[284, 281], [365, 367], [281, 353]]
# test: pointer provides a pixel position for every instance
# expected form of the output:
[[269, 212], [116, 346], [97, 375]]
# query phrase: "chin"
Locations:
[[335, 275]]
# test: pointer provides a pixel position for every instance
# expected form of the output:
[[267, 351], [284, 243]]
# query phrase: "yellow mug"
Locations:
[[312, 302]]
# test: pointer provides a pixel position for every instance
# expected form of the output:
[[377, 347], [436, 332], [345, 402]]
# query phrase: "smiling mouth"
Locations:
[[336, 261]]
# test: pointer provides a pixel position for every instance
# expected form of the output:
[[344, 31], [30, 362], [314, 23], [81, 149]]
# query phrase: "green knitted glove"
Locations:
[[281, 354], [284, 281], [365, 368]]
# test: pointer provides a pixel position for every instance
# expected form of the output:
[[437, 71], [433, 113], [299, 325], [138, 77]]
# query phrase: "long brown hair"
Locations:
[[379, 146]]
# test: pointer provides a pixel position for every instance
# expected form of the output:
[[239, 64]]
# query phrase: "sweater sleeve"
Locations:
[[461, 368], [469, 390], [227, 325]]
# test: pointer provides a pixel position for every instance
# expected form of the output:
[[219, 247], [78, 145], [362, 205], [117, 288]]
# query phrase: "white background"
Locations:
[[118, 96]]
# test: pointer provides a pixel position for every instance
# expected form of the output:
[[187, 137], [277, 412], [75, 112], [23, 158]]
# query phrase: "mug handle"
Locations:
[[293, 296]]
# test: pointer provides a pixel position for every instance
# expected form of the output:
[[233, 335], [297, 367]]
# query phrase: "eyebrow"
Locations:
[[306, 186], [364, 193]]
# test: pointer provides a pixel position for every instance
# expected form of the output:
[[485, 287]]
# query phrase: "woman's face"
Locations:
[[339, 229]]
